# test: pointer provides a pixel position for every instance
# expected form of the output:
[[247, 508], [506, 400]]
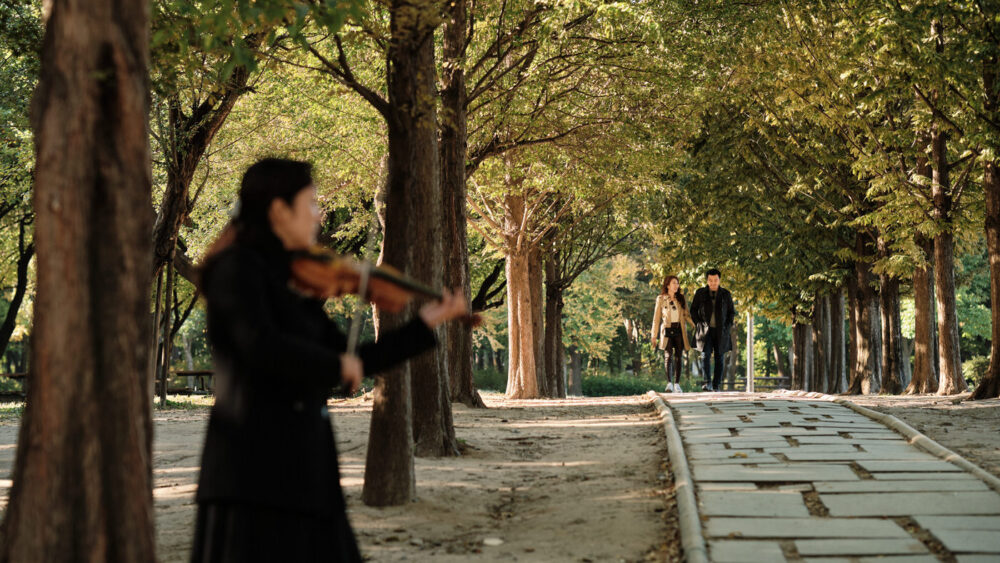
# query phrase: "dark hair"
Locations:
[[265, 181], [713, 272], [665, 288]]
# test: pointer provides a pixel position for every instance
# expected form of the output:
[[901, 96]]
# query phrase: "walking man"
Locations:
[[713, 313]]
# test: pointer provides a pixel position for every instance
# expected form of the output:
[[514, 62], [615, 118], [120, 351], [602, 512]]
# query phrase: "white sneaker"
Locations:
[[670, 387], [677, 388]]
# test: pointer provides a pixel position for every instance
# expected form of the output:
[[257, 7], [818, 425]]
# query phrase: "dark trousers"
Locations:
[[673, 352], [713, 345]]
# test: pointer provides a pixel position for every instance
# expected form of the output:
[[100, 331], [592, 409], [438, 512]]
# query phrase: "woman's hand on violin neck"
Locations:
[[451, 306], [351, 371]]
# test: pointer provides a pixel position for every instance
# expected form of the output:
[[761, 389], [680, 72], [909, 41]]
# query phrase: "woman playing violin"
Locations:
[[269, 488]]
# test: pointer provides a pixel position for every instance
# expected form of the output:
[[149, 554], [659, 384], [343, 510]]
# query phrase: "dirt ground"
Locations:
[[968, 428], [568, 480]]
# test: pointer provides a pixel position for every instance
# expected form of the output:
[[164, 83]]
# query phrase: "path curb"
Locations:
[[913, 436], [692, 539]]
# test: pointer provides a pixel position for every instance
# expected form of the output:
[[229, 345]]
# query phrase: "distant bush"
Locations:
[[8, 385], [975, 368], [490, 380], [599, 384]]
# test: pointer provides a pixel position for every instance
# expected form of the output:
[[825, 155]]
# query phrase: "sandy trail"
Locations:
[[581, 479]]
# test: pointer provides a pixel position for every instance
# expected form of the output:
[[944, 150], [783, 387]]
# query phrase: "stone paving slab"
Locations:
[[906, 476], [752, 503], [779, 473], [978, 541], [902, 459], [806, 451], [804, 528], [908, 546], [876, 559], [734, 551], [884, 486], [960, 522], [909, 466], [912, 504]]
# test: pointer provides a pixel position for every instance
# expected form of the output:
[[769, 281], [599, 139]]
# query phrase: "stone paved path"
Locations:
[[806, 480]]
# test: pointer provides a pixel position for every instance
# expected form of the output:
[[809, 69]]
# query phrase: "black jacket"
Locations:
[[269, 440], [701, 313]]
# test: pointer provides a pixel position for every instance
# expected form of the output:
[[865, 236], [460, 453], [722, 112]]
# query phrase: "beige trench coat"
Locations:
[[659, 334]]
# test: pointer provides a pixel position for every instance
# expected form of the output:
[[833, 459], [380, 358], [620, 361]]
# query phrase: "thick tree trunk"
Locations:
[[522, 381], [553, 332], [802, 355], [454, 121], [82, 480], [989, 387], [852, 332], [892, 335], [950, 368], [536, 275], [837, 381], [866, 377], [413, 242], [820, 343], [25, 253], [924, 379]]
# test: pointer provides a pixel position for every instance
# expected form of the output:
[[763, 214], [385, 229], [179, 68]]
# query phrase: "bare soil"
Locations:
[[568, 480], [968, 428]]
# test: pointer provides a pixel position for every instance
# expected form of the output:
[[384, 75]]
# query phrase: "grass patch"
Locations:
[[11, 411], [490, 380]]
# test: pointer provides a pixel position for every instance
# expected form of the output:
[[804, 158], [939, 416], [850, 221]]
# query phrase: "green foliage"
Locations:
[[490, 380], [8, 385], [598, 384], [975, 368]]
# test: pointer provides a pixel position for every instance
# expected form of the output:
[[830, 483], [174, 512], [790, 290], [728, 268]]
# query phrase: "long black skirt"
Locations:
[[231, 533]]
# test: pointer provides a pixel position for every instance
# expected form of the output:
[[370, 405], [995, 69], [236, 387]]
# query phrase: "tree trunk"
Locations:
[[413, 242], [553, 331], [536, 273], [454, 121], [781, 362], [25, 252], [802, 356], [837, 381], [852, 332], [924, 379], [522, 382], [892, 334], [575, 384], [820, 343], [950, 369], [866, 377], [82, 480], [734, 354], [989, 387]]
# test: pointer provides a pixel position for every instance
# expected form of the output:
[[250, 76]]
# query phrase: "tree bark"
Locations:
[[554, 356], [924, 379], [25, 252], [950, 367], [866, 376], [820, 343], [989, 387], [575, 385], [535, 275], [837, 381], [802, 357], [781, 362], [412, 241], [454, 124], [82, 480], [522, 382], [892, 331]]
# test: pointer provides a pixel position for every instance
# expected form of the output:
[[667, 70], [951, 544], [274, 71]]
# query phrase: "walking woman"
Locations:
[[269, 488], [669, 330]]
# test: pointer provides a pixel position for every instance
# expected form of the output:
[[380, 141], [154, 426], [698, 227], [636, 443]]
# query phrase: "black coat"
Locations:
[[701, 313], [269, 442]]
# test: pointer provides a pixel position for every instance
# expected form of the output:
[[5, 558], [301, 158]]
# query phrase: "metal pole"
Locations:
[[750, 352]]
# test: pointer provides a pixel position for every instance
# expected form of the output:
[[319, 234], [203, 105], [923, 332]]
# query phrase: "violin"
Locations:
[[321, 272]]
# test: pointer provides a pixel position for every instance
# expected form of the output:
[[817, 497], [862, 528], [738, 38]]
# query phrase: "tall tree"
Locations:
[[87, 424]]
